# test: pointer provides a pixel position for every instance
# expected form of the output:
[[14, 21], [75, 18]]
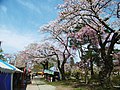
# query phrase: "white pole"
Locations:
[[15, 60], [11, 81]]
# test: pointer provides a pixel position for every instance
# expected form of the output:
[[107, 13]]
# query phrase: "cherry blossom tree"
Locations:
[[59, 39], [101, 17], [38, 53], [21, 59], [44, 53]]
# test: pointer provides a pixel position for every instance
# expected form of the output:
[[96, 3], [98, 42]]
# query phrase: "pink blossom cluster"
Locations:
[[85, 33]]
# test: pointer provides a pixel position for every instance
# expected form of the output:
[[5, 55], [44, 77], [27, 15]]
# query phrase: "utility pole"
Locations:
[[0, 45], [118, 10], [1, 56]]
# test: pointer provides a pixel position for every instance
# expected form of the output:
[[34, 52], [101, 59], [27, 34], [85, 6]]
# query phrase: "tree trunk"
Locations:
[[105, 72], [46, 64], [91, 68], [62, 72], [43, 66], [61, 69], [107, 66]]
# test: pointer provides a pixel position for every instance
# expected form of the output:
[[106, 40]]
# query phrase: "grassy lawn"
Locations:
[[66, 85], [74, 85]]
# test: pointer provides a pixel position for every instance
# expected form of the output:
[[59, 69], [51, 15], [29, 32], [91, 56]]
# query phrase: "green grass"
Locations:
[[75, 85], [80, 89], [66, 83]]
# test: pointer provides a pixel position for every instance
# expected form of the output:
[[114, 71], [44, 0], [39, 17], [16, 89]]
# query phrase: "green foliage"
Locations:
[[50, 65], [1, 50], [116, 80], [37, 68], [76, 74], [68, 74], [94, 79], [116, 50], [107, 31], [78, 27], [1, 56], [80, 89]]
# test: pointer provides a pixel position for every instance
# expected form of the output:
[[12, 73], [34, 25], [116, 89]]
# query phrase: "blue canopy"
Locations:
[[55, 69], [5, 67], [49, 71]]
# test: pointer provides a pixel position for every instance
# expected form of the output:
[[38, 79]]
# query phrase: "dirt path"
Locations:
[[37, 84]]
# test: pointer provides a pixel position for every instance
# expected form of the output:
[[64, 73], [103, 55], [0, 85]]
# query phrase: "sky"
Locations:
[[20, 21]]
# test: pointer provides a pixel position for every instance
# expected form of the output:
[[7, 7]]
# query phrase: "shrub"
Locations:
[[116, 80], [68, 74], [76, 74]]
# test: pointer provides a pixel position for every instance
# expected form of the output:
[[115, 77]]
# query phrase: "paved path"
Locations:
[[39, 85]]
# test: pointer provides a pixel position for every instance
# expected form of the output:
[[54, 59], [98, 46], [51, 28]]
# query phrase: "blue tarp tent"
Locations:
[[6, 75], [5, 81]]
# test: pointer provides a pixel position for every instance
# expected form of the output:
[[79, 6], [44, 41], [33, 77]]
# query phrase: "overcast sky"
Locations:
[[21, 19]]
